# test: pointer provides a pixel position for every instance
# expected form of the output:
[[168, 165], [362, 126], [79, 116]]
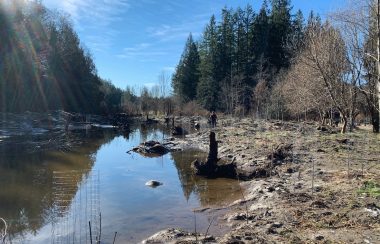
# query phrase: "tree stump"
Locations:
[[211, 168], [212, 157]]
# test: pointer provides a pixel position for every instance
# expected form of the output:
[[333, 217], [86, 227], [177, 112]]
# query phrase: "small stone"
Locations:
[[276, 225], [271, 189], [318, 188], [271, 230], [298, 186], [153, 183], [319, 238], [290, 170]]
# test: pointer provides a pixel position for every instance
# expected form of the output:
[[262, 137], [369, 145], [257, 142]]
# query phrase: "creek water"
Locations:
[[29, 190]]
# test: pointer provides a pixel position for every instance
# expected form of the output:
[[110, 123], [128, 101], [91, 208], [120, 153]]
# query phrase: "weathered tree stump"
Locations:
[[211, 168], [212, 157]]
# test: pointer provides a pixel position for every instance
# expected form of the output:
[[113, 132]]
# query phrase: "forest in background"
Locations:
[[269, 64], [44, 66], [274, 64]]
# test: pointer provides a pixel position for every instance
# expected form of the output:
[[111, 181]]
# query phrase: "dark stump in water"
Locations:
[[212, 168]]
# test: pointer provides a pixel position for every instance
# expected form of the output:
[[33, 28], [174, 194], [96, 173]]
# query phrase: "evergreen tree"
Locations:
[[298, 33], [186, 77], [260, 30], [280, 31], [42, 63], [208, 87], [226, 43]]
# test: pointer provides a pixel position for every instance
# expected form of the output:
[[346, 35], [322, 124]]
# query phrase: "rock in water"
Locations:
[[151, 148], [153, 183]]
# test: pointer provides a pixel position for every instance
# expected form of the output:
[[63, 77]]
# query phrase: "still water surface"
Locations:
[[28, 188]]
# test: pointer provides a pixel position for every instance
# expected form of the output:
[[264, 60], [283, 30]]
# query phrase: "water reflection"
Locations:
[[129, 207], [26, 181], [209, 191]]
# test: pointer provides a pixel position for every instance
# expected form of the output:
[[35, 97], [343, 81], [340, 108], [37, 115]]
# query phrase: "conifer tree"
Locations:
[[208, 87], [260, 36], [280, 31], [186, 77]]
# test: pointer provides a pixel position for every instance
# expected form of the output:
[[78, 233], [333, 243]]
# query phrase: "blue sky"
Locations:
[[133, 41]]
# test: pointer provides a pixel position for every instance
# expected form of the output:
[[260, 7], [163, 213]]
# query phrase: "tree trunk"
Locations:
[[375, 120], [351, 123], [377, 113], [344, 127], [378, 62]]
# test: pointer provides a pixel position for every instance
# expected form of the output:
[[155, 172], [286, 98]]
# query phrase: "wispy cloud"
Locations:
[[165, 32], [93, 14], [168, 69], [102, 12], [170, 32], [143, 52]]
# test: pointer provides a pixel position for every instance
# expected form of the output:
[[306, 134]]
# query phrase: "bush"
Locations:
[[191, 109]]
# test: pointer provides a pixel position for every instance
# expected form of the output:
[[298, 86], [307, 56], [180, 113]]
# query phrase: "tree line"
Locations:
[[235, 54], [43, 65], [270, 64], [275, 64]]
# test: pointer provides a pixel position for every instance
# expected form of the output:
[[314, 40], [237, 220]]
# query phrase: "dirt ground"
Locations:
[[327, 189]]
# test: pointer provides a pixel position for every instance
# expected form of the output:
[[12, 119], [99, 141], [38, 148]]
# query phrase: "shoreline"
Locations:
[[313, 196]]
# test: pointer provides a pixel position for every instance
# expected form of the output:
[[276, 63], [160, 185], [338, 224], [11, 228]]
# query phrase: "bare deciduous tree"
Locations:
[[360, 22], [304, 91], [326, 53], [261, 98]]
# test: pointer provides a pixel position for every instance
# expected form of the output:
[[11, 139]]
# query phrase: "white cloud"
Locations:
[[102, 10], [169, 69], [98, 15], [143, 52], [178, 31]]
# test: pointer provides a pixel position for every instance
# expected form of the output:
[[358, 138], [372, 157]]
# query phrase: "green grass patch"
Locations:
[[370, 188]]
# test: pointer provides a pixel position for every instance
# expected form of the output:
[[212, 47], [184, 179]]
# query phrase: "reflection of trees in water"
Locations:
[[26, 180], [209, 191], [153, 132]]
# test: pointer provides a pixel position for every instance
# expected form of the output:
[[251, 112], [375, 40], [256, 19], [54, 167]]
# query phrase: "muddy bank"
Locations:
[[322, 188]]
